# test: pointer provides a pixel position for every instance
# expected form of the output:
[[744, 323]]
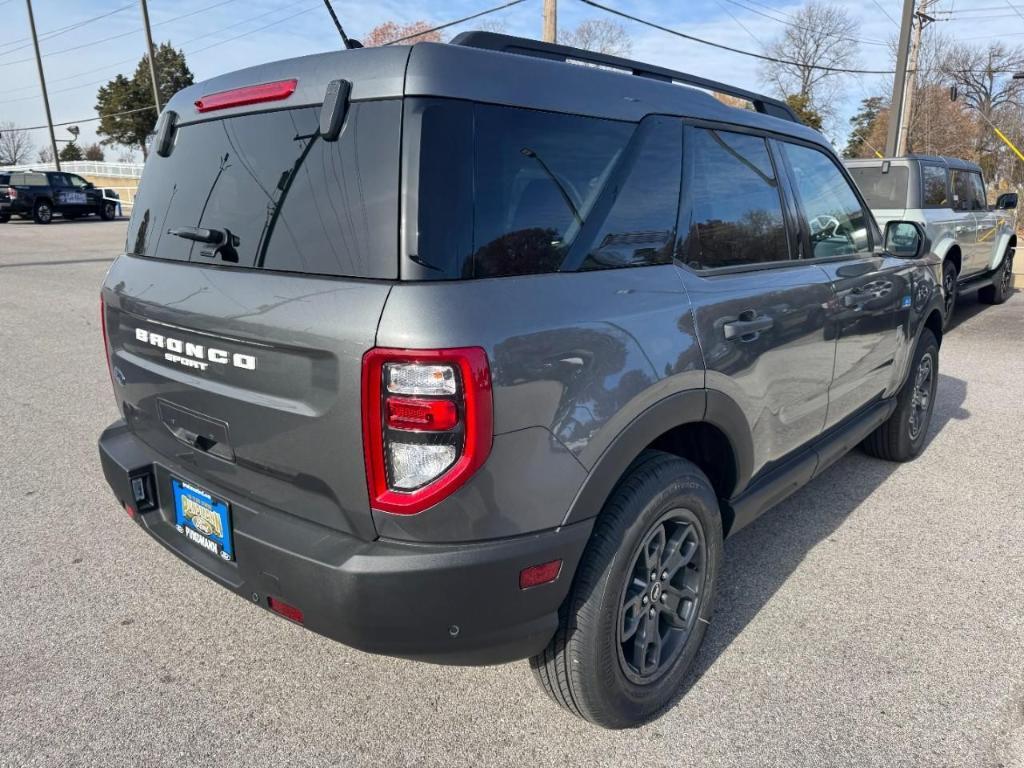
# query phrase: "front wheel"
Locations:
[[902, 436], [1000, 289], [641, 599]]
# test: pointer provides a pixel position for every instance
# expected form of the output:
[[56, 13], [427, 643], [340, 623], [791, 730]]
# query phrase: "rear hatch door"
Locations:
[[238, 356]]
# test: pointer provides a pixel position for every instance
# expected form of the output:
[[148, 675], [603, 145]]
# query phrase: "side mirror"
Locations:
[[90, 185], [1006, 201], [906, 239]]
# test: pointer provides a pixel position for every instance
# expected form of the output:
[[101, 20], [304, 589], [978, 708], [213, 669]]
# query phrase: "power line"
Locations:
[[60, 30], [740, 51], [438, 28], [120, 35], [882, 9], [88, 119], [132, 59], [741, 25], [802, 26]]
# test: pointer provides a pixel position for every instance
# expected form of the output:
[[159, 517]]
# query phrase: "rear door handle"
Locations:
[[748, 324]]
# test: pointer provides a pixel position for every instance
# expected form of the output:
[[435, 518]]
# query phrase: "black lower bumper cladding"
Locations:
[[446, 603]]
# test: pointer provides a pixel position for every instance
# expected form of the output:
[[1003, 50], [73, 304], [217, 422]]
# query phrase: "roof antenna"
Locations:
[[349, 42]]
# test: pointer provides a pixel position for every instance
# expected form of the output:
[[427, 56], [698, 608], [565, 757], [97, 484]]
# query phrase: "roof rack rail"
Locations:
[[508, 44]]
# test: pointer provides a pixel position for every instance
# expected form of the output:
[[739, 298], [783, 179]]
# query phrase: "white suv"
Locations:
[[947, 196]]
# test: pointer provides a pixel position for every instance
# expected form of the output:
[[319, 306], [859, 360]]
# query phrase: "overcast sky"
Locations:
[[224, 35]]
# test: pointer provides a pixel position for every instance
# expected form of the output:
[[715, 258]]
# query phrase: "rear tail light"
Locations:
[[12, 192], [250, 94], [427, 424]]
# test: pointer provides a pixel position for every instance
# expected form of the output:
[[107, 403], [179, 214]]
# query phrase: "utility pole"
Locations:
[[550, 21], [905, 79], [42, 83], [152, 56]]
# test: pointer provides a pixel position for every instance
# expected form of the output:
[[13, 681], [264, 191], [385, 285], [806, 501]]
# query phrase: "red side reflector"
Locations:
[[413, 413], [539, 574], [281, 608], [251, 94], [130, 510]]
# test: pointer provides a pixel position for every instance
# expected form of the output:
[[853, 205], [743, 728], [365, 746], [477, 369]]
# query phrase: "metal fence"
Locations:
[[86, 168]]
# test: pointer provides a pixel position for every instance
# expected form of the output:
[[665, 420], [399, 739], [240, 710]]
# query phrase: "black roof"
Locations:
[[492, 68]]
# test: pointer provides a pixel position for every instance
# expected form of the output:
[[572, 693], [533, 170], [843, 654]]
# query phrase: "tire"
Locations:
[[42, 213], [950, 291], [588, 668], [1000, 290], [108, 211], [4, 219], [900, 438]]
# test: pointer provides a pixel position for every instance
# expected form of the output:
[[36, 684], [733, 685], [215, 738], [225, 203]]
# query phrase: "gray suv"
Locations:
[[467, 353], [947, 197]]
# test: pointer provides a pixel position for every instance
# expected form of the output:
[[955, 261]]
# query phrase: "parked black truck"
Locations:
[[40, 194]]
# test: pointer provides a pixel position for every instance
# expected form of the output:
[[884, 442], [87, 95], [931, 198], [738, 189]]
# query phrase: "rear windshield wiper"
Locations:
[[224, 241]]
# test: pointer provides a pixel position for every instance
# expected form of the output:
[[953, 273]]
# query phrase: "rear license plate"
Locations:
[[203, 519]]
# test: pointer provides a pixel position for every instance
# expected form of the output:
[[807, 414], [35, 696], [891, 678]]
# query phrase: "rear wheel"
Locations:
[[42, 213], [1000, 290], [107, 211], [902, 436], [641, 599], [950, 289]]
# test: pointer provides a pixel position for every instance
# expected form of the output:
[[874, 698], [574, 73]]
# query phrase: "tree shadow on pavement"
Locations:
[[759, 559]]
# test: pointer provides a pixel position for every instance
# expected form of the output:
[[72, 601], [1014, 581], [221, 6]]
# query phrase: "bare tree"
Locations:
[[45, 155], [600, 36], [15, 144], [984, 80], [820, 35], [390, 31]]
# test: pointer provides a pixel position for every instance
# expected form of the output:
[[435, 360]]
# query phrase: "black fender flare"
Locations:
[[688, 407]]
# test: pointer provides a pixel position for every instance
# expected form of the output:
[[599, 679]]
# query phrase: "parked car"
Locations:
[[5, 199], [452, 369], [947, 196], [41, 194]]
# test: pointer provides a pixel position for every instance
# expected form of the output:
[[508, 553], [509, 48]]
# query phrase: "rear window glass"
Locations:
[[882, 190], [509, 191], [289, 200]]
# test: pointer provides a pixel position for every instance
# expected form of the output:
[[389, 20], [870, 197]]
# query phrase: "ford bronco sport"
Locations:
[[467, 353], [946, 196]]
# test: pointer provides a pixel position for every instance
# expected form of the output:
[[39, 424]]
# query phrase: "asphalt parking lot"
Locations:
[[876, 618]]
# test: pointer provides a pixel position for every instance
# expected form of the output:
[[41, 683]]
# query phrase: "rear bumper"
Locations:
[[444, 603]]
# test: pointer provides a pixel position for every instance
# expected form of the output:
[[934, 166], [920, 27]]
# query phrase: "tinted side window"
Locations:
[[837, 224], [735, 214], [936, 194], [638, 216], [536, 177]]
